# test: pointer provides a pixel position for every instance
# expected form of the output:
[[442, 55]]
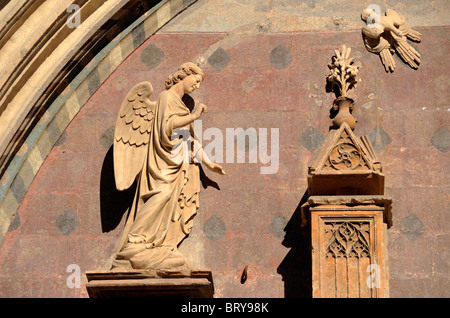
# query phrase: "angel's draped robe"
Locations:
[[166, 198]]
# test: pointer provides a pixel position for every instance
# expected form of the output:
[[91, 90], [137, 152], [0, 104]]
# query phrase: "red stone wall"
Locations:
[[72, 215]]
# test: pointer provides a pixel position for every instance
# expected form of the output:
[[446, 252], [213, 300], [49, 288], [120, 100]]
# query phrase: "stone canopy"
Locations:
[[345, 164]]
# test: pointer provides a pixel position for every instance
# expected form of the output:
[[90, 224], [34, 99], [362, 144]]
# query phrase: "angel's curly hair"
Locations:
[[183, 71]]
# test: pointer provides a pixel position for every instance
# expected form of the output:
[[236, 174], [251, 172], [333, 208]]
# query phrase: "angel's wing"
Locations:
[[132, 134]]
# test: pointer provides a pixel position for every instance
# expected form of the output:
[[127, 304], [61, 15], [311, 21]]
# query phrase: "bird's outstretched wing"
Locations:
[[411, 34], [403, 26], [132, 134], [375, 42], [403, 48], [406, 51], [387, 60]]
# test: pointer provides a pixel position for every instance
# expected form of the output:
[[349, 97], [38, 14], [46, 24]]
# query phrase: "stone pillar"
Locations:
[[346, 211], [349, 238], [348, 216]]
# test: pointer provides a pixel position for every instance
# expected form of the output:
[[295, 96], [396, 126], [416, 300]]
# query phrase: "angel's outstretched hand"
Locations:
[[216, 168]]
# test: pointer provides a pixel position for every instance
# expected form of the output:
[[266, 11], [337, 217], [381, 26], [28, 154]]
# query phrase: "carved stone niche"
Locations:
[[349, 240], [348, 216]]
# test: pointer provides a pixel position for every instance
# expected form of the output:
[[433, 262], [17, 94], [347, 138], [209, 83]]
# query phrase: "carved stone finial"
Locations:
[[387, 34], [342, 77], [342, 71]]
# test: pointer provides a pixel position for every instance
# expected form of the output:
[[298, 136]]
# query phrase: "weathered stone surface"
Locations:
[[67, 222], [412, 227], [280, 57], [276, 226], [214, 228], [219, 59], [379, 138], [152, 56], [311, 139], [441, 139]]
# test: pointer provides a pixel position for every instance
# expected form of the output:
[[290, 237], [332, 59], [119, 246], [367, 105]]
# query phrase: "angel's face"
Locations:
[[191, 83]]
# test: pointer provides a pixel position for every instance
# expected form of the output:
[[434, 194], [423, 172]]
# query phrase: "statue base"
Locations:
[[150, 284]]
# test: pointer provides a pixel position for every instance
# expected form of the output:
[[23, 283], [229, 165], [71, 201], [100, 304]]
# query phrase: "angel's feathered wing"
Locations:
[[132, 134]]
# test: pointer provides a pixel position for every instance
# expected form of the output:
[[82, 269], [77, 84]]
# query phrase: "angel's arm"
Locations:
[[201, 156], [182, 121]]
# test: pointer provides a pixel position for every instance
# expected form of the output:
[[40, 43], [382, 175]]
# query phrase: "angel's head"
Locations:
[[190, 74]]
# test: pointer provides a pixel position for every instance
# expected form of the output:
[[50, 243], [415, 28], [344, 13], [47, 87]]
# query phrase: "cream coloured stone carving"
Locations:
[[343, 71], [385, 35], [155, 145], [342, 77]]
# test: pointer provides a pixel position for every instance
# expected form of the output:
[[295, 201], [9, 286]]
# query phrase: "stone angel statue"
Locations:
[[385, 35], [167, 193]]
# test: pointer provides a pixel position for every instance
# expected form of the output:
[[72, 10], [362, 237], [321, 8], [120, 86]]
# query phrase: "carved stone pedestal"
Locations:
[[148, 283], [348, 216], [349, 256]]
